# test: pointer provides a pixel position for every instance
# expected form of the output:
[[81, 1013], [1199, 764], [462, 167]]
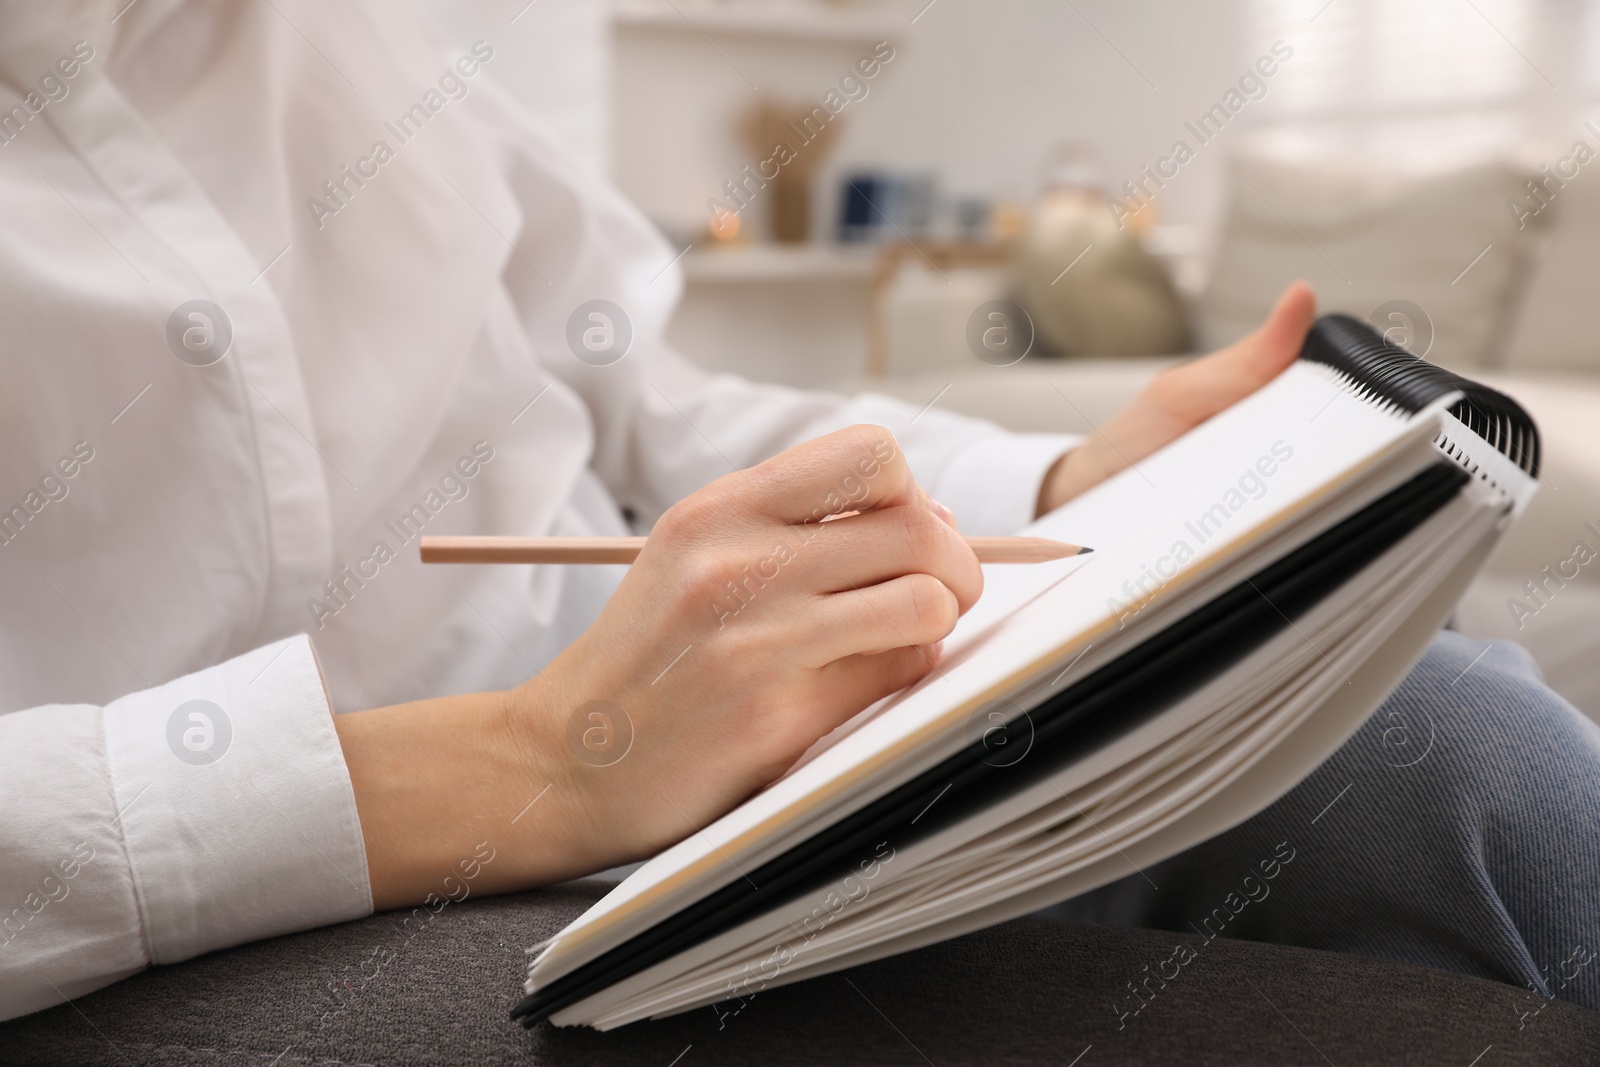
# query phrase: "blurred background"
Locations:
[[1022, 209]]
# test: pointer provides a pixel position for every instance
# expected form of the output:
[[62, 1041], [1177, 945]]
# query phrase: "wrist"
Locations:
[[551, 809], [1072, 474], [570, 749]]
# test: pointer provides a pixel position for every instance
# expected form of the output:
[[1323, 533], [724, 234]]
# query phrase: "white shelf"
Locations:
[[767, 264], [756, 18]]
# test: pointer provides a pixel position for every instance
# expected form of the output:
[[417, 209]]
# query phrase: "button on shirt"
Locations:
[[284, 286]]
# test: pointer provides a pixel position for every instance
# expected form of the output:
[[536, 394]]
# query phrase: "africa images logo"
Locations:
[[199, 333], [199, 732], [599, 332]]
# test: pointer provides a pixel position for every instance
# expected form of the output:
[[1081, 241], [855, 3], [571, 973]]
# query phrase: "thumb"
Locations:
[[1275, 344], [1198, 390]]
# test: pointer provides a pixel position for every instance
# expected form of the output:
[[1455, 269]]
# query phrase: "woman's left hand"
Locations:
[[1179, 399]]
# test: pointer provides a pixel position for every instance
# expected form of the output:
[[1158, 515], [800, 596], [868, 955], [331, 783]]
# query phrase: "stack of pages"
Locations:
[[1258, 587]]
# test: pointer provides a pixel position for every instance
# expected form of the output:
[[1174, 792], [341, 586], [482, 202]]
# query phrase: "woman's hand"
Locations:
[[747, 629], [1179, 399]]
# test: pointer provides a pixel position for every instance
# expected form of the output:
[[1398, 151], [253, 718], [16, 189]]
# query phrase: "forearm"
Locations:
[[437, 780]]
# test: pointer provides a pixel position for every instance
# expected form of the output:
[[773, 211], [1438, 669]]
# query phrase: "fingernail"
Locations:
[[943, 512]]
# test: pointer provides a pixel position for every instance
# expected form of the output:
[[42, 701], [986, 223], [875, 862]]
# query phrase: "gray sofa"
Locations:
[[1033, 991]]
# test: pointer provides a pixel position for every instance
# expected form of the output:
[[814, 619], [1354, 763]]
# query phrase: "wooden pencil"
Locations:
[[626, 549]]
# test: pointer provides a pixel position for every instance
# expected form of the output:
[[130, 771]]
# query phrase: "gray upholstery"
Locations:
[[1032, 991]]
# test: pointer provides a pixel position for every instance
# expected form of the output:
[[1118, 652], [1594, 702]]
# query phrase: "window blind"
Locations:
[[1426, 81]]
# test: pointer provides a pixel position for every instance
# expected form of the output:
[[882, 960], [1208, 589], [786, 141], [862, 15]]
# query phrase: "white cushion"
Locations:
[[1033, 396], [1363, 237]]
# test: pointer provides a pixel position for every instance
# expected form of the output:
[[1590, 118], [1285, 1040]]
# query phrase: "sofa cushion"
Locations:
[[1553, 327], [1036, 395], [1031, 991], [1364, 237]]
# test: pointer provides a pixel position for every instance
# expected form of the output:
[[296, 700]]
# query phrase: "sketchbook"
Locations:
[[1258, 587]]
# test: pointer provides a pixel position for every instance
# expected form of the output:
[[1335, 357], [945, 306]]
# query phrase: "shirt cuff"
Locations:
[[993, 483], [236, 805]]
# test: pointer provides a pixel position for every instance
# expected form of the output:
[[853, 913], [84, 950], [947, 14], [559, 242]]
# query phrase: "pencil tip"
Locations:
[[1084, 551]]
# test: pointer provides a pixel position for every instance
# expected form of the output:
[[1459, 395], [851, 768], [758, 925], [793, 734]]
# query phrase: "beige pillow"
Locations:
[[1365, 238], [1554, 327]]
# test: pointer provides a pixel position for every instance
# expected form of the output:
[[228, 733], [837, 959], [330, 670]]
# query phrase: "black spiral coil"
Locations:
[[1388, 373]]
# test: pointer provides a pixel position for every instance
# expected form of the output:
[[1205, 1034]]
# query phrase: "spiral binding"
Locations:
[[1389, 374]]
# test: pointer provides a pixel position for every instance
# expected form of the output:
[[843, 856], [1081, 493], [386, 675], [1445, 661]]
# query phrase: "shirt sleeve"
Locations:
[[662, 427], [210, 811], [686, 427]]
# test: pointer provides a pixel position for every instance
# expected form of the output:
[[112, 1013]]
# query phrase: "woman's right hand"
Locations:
[[747, 629]]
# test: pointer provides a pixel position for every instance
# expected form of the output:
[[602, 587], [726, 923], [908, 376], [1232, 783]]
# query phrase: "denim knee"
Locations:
[[1476, 788], [1459, 828], [1474, 730]]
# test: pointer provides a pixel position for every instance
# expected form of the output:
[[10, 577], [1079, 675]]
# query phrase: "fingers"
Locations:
[[878, 546], [1257, 358], [1195, 391], [841, 689], [1293, 315], [858, 468], [913, 609], [858, 681], [1181, 398], [1272, 347]]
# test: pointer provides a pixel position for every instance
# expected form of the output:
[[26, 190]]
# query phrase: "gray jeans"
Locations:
[[1458, 829]]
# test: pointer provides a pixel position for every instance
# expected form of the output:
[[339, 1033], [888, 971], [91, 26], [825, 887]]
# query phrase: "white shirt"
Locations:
[[175, 530]]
